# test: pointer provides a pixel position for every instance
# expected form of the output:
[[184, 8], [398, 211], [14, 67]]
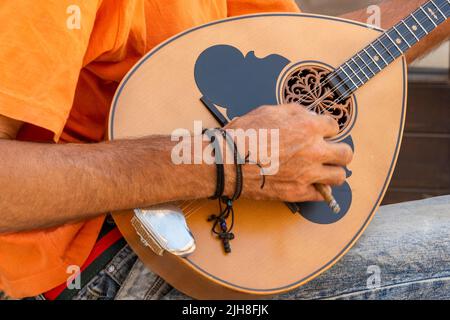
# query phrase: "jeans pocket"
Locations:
[[143, 284], [101, 287]]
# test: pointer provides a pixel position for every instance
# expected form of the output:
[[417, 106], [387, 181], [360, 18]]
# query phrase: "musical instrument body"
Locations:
[[274, 250]]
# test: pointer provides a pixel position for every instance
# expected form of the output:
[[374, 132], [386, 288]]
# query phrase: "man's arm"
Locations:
[[44, 185], [9, 127], [392, 11]]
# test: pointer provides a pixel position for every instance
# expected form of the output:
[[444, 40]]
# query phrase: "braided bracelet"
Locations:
[[220, 181], [220, 227]]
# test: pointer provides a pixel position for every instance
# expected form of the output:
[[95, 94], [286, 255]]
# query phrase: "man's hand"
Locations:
[[305, 157]]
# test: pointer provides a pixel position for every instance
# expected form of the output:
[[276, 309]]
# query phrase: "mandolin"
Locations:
[[353, 72]]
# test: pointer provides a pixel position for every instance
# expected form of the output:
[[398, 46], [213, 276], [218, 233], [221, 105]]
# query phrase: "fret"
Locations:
[[426, 22], [368, 62], [388, 58], [395, 44], [425, 30], [372, 60], [433, 12], [377, 57], [360, 68], [350, 78], [446, 8], [355, 71], [407, 33], [401, 36], [410, 30], [341, 82], [426, 14], [437, 7], [365, 66], [398, 39]]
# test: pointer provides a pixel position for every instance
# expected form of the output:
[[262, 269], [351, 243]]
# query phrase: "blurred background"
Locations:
[[423, 168]]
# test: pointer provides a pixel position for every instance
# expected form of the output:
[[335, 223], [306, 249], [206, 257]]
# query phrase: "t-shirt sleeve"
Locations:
[[42, 46], [240, 7]]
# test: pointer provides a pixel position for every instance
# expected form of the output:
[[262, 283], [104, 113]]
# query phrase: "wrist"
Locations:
[[222, 156], [207, 175], [250, 173], [195, 176], [233, 166]]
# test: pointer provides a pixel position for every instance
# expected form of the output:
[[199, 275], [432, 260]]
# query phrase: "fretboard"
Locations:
[[393, 43]]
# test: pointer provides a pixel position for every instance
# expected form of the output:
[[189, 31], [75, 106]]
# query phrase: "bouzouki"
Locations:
[[351, 71]]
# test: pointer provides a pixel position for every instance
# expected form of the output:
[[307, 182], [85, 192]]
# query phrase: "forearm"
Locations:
[[46, 185], [392, 11]]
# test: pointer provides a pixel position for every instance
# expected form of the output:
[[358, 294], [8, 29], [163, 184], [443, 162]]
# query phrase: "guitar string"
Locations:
[[355, 75], [188, 214], [350, 90], [386, 49], [190, 206], [192, 210]]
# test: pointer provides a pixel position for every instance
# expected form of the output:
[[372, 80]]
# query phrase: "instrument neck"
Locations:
[[392, 44]]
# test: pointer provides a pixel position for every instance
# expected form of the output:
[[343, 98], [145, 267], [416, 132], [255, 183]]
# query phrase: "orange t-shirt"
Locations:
[[60, 64]]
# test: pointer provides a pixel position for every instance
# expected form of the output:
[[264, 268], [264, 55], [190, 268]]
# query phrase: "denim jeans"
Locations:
[[404, 254]]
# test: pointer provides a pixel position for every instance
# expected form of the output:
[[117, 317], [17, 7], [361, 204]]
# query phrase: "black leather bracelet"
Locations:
[[220, 181], [220, 226], [238, 165]]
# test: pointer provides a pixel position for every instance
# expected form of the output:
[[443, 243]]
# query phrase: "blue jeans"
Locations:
[[404, 254]]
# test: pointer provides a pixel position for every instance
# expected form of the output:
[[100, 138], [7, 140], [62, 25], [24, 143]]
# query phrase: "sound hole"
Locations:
[[307, 85]]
